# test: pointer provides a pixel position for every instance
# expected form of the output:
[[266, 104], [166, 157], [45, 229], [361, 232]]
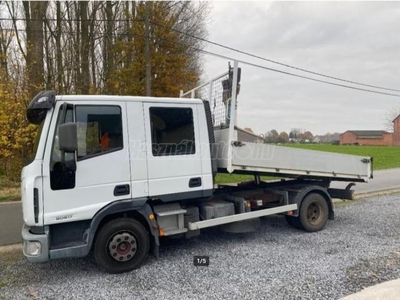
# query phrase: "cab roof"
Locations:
[[127, 99]]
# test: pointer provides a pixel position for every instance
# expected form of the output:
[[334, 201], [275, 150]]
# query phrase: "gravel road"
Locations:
[[360, 248]]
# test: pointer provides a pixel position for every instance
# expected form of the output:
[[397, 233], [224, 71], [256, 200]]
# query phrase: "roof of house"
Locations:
[[396, 118], [367, 134], [246, 136]]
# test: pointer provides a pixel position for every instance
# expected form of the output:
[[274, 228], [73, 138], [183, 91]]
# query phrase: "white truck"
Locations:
[[117, 174]]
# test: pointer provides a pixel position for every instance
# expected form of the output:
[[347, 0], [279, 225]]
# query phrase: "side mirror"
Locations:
[[68, 137]]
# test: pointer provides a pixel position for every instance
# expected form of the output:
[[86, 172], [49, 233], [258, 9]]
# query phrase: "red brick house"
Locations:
[[373, 137], [396, 131]]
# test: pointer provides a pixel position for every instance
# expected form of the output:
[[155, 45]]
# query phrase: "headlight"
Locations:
[[32, 248]]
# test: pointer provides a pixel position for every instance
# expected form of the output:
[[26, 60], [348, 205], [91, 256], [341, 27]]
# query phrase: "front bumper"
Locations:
[[42, 239]]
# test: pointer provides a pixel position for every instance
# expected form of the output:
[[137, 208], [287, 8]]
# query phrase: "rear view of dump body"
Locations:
[[268, 159]]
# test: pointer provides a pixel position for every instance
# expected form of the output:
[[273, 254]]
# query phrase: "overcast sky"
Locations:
[[358, 41]]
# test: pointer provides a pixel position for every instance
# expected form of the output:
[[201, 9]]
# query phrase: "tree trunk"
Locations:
[[60, 71], [147, 49], [108, 41], [35, 12], [85, 75]]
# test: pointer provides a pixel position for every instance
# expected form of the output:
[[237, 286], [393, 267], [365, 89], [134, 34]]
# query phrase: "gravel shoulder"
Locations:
[[359, 249]]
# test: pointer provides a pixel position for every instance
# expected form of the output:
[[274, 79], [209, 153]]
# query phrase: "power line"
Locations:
[[300, 76], [266, 68], [71, 20], [238, 51], [276, 62]]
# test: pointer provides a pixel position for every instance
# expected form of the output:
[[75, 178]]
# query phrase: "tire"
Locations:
[[121, 245], [314, 212], [294, 222]]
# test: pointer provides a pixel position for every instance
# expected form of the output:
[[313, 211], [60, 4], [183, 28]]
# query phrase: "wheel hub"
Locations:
[[122, 246], [314, 213]]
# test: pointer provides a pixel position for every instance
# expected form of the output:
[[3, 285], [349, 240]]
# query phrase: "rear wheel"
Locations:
[[121, 245], [314, 212]]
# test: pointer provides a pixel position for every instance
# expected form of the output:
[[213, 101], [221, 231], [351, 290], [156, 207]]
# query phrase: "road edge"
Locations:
[[11, 248], [377, 193], [9, 202]]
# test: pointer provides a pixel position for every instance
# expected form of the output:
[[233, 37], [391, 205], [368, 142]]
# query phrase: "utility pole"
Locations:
[[147, 50]]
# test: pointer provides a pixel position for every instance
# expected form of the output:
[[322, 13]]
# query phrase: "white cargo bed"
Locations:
[[241, 156], [251, 158]]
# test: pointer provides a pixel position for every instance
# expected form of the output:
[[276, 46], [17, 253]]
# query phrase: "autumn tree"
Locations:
[[16, 134], [283, 137], [392, 114], [307, 136], [296, 133], [92, 47], [272, 136], [171, 56]]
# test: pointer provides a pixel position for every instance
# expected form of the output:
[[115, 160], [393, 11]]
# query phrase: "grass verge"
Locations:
[[9, 190], [234, 178]]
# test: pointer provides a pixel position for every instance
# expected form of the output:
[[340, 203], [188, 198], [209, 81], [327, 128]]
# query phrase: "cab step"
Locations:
[[171, 212], [175, 231], [170, 218]]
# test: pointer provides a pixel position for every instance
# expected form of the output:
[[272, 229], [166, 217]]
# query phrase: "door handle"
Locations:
[[121, 190], [195, 182]]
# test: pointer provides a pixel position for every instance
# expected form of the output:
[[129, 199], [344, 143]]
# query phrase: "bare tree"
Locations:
[[392, 114], [84, 80]]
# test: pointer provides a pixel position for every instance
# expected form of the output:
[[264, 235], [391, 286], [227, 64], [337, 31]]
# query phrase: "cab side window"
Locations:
[[99, 130], [172, 131], [61, 177]]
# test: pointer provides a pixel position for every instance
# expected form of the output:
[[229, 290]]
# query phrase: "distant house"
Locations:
[[366, 137], [373, 137], [396, 131], [317, 139]]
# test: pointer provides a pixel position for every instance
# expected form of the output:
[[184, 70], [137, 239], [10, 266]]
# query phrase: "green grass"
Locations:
[[384, 157], [9, 190], [233, 178]]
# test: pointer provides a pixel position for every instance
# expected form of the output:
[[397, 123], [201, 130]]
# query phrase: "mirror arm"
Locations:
[[64, 166]]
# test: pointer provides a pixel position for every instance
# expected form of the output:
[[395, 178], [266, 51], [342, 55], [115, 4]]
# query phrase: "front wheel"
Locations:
[[121, 245], [314, 212]]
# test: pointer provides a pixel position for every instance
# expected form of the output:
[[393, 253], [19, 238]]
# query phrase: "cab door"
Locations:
[[173, 151], [102, 161]]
